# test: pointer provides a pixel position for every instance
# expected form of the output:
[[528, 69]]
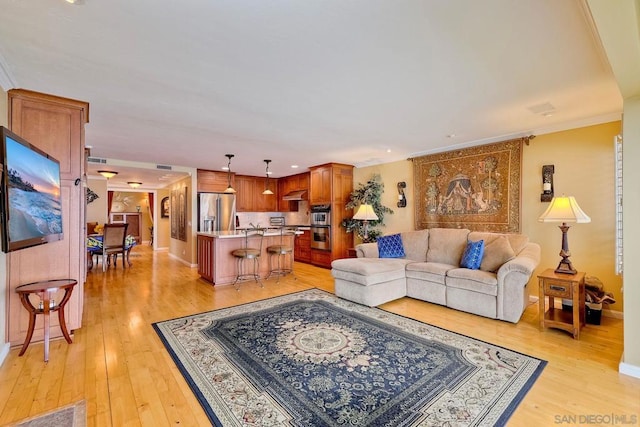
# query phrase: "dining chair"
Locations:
[[113, 243], [250, 251]]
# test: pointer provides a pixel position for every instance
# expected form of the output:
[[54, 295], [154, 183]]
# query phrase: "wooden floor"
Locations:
[[119, 366]]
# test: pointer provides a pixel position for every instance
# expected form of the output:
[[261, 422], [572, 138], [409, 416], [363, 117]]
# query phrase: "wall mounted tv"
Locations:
[[31, 204]]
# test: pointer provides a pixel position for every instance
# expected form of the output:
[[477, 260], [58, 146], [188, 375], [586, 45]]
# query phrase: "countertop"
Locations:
[[271, 231]]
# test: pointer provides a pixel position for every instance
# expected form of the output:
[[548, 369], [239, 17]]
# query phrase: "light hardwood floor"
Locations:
[[119, 366]]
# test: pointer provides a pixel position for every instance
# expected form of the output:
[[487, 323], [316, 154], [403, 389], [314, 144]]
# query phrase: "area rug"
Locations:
[[312, 359], [74, 415]]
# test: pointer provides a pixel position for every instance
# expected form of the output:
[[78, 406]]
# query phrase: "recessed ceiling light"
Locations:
[[294, 166], [388, 150], [451, 135], [75, 1]]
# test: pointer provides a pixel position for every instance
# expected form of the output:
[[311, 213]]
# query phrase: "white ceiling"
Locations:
[[307, 82]]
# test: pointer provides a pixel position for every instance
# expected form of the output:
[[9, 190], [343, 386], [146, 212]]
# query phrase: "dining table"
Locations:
[[94, 247]]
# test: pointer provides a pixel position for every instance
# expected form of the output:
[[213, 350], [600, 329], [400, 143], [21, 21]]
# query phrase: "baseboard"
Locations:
[[614, 314], [4, 352], [187, 263], [627, 369]]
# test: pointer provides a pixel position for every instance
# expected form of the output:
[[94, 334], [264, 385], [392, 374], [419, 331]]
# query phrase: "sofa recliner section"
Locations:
[[431, 271]]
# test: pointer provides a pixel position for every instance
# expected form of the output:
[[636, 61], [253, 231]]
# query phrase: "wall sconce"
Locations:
[[402, 199], [547, 183]]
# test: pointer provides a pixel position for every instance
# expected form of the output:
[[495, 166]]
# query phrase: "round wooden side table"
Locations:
[[46, 290]]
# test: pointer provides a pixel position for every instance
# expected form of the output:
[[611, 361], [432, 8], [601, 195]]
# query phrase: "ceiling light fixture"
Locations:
[[134, 184], [229, 187], [108, 174], [267, 191]]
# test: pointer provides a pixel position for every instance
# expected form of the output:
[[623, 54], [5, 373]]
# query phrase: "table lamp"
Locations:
[[365, 213], [564, 209]]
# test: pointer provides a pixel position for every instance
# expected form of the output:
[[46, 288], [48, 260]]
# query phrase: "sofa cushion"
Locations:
[[496, 253], [369, 271], [429, 271], [416, 244], [517, 241], [446, 245], [390, 246], [480, 281], [472, 255]]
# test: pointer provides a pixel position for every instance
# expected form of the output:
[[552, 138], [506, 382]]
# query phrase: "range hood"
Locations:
[[294, 195]]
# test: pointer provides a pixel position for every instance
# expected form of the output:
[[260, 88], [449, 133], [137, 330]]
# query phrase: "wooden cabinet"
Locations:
[[289, 184], [302, 247], [332, 184], [320, 185], [213, 181], [56, 126], [205, 257], [249, 197], [134, 219]]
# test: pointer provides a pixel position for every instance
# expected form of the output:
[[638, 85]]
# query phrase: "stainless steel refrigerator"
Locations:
[[216, 212]]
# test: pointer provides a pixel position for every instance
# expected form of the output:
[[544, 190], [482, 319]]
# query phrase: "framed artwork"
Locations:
[[179, 213], [164, 208], [477, 188]]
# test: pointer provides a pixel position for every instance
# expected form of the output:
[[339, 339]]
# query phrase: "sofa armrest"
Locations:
[[367, 250], [513, 277], [525, 262]]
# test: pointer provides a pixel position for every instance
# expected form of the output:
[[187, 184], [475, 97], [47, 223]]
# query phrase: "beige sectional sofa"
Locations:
[[430, 271]]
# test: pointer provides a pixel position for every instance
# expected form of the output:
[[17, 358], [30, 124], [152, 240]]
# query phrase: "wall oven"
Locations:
[[321, 215], [321, 237]]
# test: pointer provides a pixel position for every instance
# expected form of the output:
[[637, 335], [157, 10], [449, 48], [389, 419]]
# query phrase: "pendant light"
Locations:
[[267, 191], [229, 187]]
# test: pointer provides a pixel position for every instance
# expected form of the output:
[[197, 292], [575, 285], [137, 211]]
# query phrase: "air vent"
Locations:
[[96, 160], [164, 167]]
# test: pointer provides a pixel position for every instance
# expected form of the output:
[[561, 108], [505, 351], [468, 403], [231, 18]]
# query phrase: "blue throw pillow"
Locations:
[[390, 246], [472, 256]]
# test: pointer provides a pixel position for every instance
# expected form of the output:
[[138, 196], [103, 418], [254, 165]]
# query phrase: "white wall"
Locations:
[[4, 330]]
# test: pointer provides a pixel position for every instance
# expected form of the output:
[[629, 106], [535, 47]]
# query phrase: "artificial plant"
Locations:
[[369, 193]]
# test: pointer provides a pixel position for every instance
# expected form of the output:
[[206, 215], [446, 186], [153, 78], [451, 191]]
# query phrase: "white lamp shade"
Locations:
[[564, 209], [366, 212]]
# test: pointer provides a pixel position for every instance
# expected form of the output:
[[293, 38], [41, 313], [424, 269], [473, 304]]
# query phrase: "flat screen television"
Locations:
[[31, 203]]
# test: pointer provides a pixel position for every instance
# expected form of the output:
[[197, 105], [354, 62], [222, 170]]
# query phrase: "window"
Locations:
[[618, 184]]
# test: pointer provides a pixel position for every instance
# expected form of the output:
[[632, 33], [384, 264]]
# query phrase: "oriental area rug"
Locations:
[[312, 359]]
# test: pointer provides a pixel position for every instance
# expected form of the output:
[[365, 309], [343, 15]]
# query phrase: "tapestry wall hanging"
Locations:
[[477, 188]]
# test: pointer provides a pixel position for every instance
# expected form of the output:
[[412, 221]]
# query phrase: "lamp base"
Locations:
[[565, 267]]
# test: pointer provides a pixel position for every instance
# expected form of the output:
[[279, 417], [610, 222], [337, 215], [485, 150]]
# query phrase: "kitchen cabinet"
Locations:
[[286, 185], [205, 257], [249, 197], [302, 247], [134, 219], [332, 184], [56, 126], [320, 185], [213, 181]]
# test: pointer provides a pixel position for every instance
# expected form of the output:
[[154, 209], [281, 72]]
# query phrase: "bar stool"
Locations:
[[247, 253], [281, 251]]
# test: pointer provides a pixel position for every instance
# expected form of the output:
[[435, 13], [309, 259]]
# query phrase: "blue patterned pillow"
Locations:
[[472, 256], [390, 246]]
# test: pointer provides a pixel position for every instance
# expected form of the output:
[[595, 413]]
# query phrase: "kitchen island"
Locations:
[[218, 266]]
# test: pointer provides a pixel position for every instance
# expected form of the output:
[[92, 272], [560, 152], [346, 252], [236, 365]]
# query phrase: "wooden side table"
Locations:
[[568, 286], [45, 290]]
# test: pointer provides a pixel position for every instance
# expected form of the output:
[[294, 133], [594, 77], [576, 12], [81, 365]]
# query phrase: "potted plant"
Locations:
[[368, 193]]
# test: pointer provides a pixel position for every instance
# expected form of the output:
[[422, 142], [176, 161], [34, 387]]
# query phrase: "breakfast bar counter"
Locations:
[[218, 266]]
